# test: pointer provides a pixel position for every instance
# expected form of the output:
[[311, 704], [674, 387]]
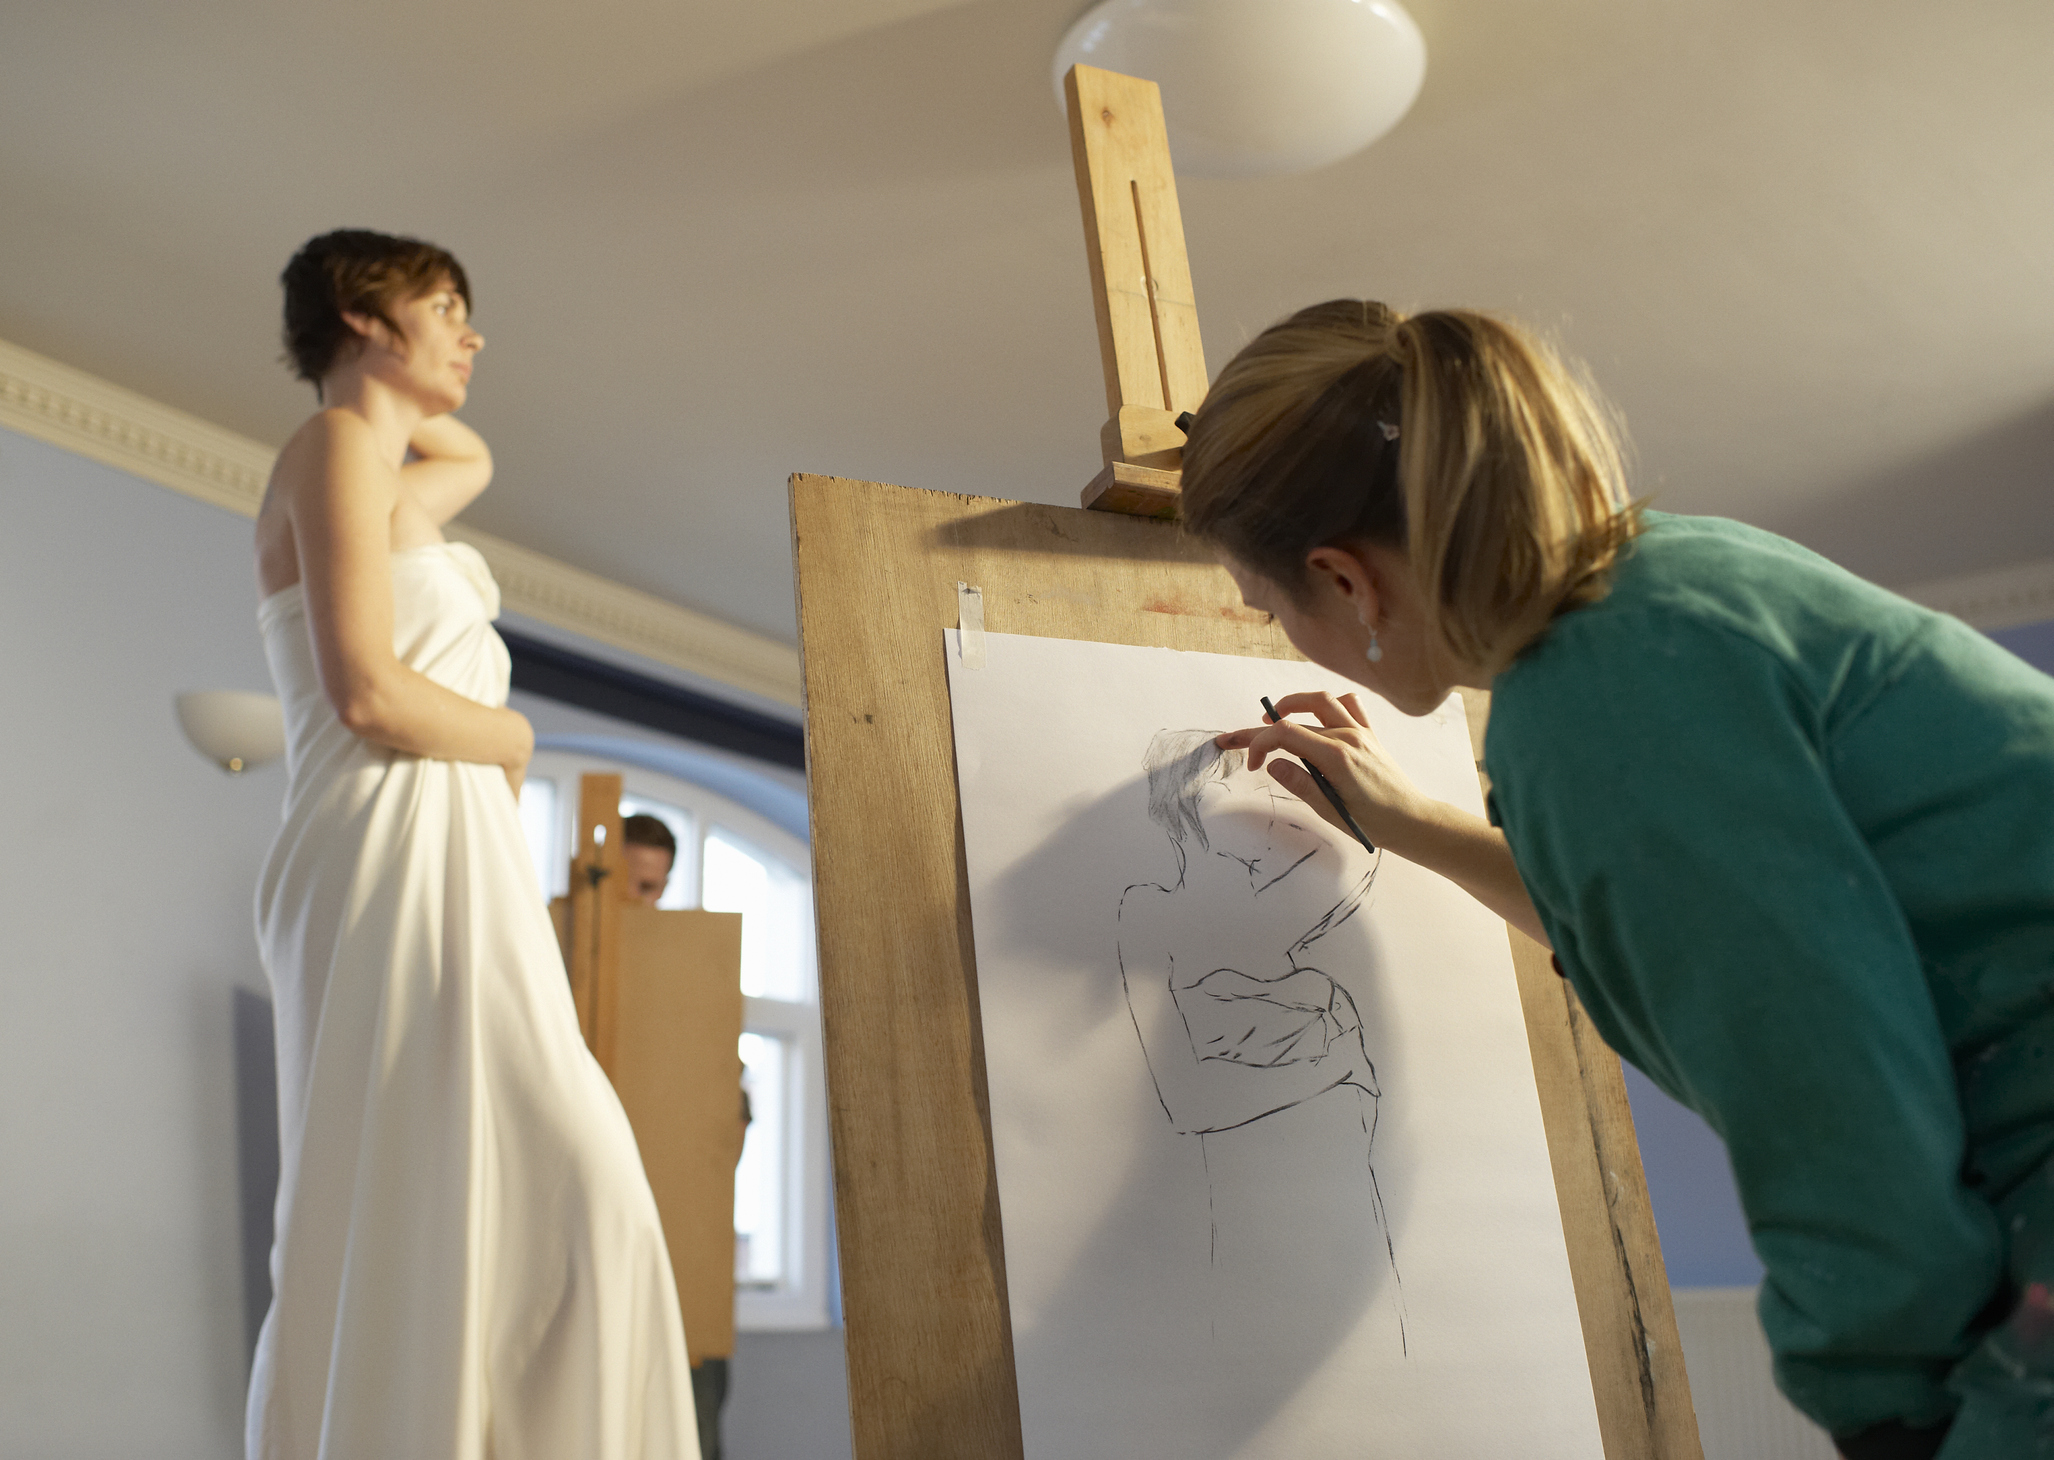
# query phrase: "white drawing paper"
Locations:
[[1271, 1168]]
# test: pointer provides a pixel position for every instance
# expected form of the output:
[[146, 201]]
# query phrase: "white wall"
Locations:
[[127, 865]]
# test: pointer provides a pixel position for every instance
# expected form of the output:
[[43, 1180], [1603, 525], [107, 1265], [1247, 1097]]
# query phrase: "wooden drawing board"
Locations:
[[922, 1239], [679, 1078]]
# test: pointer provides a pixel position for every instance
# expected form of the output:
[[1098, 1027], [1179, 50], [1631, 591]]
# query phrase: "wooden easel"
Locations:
[[659, 999], [878, 567], [589, 926], [1140, 288]]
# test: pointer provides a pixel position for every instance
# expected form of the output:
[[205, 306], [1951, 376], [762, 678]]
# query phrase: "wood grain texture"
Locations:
[[1615, 1258], [922, 1243], [1134, 233], [677, 990], [1135, 491], [1144, 436]]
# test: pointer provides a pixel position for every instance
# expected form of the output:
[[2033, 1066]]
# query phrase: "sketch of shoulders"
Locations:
[[1146, 908]]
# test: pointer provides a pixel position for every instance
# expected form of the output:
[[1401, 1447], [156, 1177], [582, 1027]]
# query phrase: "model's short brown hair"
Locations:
[[1455, 438], [355, 271]]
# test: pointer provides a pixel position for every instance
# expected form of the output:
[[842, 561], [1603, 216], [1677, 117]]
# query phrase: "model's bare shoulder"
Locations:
[[303, 463], [332, 435], [323, 440], [335, 457], [328, 482]]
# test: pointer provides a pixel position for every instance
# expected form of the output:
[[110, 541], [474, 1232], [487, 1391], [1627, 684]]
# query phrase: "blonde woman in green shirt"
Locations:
[[1790, 836]]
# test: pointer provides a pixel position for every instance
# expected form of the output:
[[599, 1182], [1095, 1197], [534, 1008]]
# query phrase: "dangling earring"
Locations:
[[1375, 651]]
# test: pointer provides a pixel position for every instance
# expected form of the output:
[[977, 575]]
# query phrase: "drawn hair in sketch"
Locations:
[[1180, 764]]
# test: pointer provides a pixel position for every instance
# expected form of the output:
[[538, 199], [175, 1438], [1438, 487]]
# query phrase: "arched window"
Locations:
[[732, 858]]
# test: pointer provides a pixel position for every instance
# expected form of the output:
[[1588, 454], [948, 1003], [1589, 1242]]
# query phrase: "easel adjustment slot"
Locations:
[[1140, 287]]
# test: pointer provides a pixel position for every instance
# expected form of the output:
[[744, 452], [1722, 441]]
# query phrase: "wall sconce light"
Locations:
[[1283, 86], [236, 729]]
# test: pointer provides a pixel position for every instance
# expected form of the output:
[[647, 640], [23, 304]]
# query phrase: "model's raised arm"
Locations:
[[451, 465], [341, 496]]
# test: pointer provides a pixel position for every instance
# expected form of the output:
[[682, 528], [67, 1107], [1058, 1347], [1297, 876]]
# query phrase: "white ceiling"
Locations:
[[1805, 246]]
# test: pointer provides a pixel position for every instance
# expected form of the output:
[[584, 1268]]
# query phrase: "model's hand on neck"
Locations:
[[408, 365]]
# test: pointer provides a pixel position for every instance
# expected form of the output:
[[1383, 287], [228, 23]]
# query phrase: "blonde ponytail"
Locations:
[[1452, 436]]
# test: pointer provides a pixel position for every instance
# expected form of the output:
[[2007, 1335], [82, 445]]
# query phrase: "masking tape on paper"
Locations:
[[970, 621]]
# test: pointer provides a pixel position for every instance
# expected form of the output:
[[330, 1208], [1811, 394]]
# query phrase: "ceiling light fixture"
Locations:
[[1252, 89]]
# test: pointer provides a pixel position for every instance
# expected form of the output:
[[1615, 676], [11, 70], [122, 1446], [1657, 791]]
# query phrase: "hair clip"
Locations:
[[1389, 428]]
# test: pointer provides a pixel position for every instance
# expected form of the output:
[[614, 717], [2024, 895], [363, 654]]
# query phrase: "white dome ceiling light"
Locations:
[[1254, 87]]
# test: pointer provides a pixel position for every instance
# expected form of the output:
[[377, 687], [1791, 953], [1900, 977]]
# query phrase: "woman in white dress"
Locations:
[[469, 1264]]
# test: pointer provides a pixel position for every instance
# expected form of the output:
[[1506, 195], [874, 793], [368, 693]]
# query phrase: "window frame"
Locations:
[[805, 1301]]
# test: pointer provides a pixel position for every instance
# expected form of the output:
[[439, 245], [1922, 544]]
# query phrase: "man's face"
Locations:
[[648, 869]]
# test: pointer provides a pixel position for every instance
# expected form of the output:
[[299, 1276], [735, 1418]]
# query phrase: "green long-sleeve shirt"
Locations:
[[1793, 838]]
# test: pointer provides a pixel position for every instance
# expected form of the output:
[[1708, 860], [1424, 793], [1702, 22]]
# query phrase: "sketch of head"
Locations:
[[1180, 764], [1196, 791]]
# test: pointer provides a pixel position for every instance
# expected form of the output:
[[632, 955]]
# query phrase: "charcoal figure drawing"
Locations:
[[1236, 1024]]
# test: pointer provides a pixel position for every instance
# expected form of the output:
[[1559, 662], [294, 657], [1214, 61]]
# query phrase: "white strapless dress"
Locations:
[[469, 1264]]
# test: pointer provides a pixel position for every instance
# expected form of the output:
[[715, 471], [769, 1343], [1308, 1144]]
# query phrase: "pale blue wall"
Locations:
[[127, 870], [1690, 1184], [2033, 643]]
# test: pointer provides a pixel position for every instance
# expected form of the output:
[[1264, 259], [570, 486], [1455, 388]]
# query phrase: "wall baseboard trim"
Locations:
[[81, 413]]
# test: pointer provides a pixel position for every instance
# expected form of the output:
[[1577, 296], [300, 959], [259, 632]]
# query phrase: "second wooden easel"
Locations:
[[659, 999]]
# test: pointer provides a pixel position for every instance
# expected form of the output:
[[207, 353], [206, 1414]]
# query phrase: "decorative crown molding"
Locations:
[[84, 414], [41, 398], [598, 608], [1995, 598]]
